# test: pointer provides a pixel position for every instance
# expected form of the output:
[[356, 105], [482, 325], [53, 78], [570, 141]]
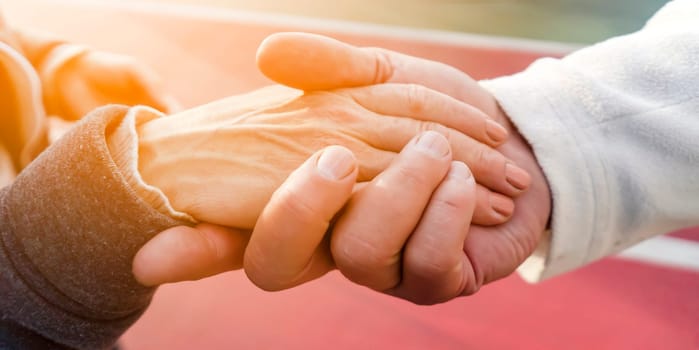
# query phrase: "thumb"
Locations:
[[288, 246], [189, 253]]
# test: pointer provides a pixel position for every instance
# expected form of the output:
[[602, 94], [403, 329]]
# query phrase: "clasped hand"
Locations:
[[399, 223]]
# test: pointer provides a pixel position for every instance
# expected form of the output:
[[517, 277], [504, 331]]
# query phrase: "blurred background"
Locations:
[[574, 21]]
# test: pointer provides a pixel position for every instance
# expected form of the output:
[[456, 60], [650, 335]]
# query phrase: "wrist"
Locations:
[[212, 166], [123, 143]]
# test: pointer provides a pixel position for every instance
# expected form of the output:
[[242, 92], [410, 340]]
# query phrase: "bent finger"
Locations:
[[189, 253], [367, 240], [434, 263], [490, 167]]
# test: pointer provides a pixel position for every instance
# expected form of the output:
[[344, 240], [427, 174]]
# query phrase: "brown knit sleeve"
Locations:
[[70, 226]]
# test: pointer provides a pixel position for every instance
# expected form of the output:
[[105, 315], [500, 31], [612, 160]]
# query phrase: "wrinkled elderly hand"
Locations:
[[415, 249], [221, 162]]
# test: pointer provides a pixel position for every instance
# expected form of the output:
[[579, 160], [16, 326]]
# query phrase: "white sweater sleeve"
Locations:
[[615, 128]]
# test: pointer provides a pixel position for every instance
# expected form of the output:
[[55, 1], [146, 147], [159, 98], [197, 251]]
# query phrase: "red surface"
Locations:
[[610, 305], [691, 234]]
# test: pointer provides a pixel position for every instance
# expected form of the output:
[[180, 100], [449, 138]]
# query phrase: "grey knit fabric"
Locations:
[[70, 227]]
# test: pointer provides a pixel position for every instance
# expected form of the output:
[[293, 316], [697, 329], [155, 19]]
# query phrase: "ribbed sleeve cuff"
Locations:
[[123, 146]]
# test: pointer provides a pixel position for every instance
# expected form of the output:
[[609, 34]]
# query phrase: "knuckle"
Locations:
[[298, 207], [384, 67], [416, 98], [210, 247], [428, 126], [411, 177], [434, 126], [358, 259]]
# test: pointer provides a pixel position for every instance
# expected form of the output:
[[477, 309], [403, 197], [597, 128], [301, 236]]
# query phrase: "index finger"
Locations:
[[315, 62]]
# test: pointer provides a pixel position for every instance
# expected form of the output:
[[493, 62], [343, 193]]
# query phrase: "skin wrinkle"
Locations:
[[348, 121], [272, 137], [384, 68], [368, 261], [416, 99]]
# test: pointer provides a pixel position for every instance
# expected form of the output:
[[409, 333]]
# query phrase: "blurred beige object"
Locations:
[[47, 84], [76, 80], [22, 123]]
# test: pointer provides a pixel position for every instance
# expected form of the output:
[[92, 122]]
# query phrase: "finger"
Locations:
[[435, 267], [492, 208], [421, 103], [490, 167], [189, 253], [424, 109], [314, 62], [285, 248], [318, 58], [368, 238]]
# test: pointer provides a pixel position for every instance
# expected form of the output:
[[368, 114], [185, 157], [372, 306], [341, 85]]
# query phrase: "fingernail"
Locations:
[[335, 163], [433, 143], [459, 170], [502, 206], [495, 131], [517, 177]]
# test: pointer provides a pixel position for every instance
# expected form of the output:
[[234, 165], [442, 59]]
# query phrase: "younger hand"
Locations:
[[494, 252], [411, 240]]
